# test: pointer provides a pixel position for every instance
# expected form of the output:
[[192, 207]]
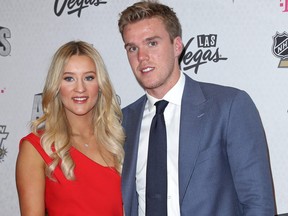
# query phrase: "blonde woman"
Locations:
[[70, 163]]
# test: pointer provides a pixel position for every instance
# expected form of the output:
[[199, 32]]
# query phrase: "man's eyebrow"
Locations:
[[128, 44], [152, 38], [146, 40]]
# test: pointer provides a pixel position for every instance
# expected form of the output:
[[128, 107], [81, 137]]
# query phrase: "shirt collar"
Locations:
[[172, 96]]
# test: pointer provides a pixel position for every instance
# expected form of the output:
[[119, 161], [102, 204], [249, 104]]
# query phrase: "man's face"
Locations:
[[152, 55]]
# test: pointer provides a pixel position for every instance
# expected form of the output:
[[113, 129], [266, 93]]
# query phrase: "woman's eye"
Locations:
[[68, 79], [89, 78]]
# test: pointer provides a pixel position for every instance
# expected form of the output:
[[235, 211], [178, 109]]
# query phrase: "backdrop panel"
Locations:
[[234, 43]]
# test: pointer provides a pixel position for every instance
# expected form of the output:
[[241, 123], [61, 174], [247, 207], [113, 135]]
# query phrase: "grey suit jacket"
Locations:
[[223, 159]]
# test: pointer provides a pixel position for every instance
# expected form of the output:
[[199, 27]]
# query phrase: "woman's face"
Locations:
[[79, 87]]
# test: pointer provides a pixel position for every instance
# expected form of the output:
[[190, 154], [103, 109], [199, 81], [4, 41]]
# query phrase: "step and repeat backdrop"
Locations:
[[238, 43]]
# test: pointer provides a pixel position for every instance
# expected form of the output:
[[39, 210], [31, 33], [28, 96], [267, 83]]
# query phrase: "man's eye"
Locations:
[[131, 49], [152, 43], [68, 79], [89, 78]]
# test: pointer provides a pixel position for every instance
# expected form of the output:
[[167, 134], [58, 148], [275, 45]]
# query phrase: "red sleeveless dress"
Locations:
[[95, 191]]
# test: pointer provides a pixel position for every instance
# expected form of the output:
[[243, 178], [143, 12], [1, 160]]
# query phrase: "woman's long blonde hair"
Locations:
[[53, 124]]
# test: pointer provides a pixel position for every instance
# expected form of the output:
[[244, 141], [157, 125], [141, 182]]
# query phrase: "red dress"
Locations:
[[95, 191]]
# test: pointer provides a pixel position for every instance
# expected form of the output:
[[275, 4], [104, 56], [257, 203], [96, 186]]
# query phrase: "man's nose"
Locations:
[[142, 54]]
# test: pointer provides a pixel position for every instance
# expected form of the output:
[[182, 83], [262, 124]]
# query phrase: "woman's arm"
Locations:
[[30, 180]]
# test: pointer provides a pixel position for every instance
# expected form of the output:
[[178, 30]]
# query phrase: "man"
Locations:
[[217, 160]]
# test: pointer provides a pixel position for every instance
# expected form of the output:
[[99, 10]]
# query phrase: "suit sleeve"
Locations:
[[248, 157]]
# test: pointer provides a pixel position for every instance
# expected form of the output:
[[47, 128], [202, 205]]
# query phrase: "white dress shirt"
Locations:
[[172, 121]]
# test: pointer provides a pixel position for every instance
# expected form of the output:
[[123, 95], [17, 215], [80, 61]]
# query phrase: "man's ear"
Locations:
[[178, 45]]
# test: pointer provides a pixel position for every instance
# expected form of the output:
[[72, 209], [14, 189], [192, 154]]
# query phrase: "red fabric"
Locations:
[[96, 190]]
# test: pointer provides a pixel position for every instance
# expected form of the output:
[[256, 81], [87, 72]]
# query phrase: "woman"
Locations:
[[71, 162]]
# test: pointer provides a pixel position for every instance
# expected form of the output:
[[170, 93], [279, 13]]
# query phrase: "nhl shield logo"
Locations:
[[280, 48]]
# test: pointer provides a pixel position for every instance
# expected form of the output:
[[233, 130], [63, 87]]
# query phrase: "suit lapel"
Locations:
[[192, 114]]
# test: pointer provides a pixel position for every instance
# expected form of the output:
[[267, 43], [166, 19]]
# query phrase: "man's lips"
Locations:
[[147, 69]]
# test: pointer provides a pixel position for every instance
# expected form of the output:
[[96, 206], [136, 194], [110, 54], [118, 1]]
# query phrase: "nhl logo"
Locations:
[[280, 48]]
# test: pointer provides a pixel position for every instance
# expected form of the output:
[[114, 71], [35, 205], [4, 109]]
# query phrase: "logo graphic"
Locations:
[[3, 136], [5, 47], [74, 6], [37, 111], [206, 52], [284, 5], [280, 48]]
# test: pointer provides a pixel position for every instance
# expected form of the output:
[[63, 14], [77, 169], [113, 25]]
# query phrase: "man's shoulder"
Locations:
[[218, 88], [209, 89], [136, 104], [217, 92]]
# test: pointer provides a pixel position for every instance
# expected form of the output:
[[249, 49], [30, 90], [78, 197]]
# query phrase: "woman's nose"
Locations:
[[80, 86]]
